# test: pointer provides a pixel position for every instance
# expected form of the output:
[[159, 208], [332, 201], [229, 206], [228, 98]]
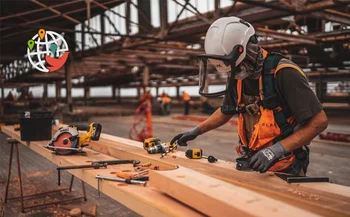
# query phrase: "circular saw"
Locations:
[[67, 140]]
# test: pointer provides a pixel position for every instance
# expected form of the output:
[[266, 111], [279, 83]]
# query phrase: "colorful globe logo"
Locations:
[[47, 51]]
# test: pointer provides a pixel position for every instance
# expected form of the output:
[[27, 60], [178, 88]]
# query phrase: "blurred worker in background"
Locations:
[[186, 98], [147, 96], [278, 113], [165, 104]]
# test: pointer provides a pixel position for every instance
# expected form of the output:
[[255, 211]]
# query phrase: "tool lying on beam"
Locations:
[[154, 146], [139, 181], [131, 175], [298, 179], [67, 140], [150, 142], [95, 165], [146, 166], [198, 154]]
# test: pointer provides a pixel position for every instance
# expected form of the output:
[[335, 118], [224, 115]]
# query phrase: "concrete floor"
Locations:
[[326, 160]]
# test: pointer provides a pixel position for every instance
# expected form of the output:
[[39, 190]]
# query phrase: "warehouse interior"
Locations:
[[122, 53]]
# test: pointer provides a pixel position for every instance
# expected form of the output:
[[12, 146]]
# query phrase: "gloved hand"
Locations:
[[267, 157], [182, 138]]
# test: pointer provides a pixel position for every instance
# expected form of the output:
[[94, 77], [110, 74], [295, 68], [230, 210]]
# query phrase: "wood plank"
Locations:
[[311, 199], [146, 201], [218, 198]]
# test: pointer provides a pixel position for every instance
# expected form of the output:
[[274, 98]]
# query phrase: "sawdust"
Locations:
[[38, 174], [180, 176], [126, 171], [304, 195]]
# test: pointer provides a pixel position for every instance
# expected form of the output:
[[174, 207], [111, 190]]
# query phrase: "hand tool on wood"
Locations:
[[146, 166], [130, 175], [198, 154], [117, 179], [95, 165], [67, 140], [289, 178], [116, 162]]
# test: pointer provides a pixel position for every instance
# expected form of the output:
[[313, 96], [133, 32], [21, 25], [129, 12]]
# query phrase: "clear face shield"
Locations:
[[213, 68]]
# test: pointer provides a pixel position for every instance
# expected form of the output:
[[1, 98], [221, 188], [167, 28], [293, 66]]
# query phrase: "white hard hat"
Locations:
[[224, 34]]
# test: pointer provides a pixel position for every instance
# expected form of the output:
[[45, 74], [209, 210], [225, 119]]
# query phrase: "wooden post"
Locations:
[[82, 38], [178, 92], [68, 73], [102, 21], [138, 92], [113, 92], [321, 90], [45, 92], [2, 79], [127, 15], [58, 91], [86, 95], [119, 97], [145, 80], [163, 8], [144, 14]]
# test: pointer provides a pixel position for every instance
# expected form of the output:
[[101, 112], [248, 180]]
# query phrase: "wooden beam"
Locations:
[[330, 17], [284, 36], [147, 201], [176, 66], [321, 202], [38, 10], [201, 192]]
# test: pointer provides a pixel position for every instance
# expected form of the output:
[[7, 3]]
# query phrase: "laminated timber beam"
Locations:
[[326, 199], [150, 201], [146, 201]]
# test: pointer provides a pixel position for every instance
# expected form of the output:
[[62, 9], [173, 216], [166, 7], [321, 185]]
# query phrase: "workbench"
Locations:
[[185, 187]]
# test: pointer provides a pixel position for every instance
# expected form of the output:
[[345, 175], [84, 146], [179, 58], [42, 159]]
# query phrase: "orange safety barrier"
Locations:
[[142, 127]]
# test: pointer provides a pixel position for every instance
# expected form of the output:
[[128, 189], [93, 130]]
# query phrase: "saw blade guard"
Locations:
[[65, 138]]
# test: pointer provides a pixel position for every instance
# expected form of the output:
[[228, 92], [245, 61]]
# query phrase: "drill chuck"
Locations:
[[160, 148]]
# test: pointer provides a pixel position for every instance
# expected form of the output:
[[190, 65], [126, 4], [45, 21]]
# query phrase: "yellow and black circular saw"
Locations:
[[67, 140]]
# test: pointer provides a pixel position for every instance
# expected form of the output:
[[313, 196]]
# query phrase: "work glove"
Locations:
[[267, 157], [184, 137]]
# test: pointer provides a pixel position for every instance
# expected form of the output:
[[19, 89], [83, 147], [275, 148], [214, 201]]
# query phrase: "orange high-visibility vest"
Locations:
[[166, 99], [186, 96], [267, 129]]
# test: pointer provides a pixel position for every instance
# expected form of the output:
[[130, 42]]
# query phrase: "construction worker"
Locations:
[[165, 104], [278, 113], [147, 97], [186, 98]]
